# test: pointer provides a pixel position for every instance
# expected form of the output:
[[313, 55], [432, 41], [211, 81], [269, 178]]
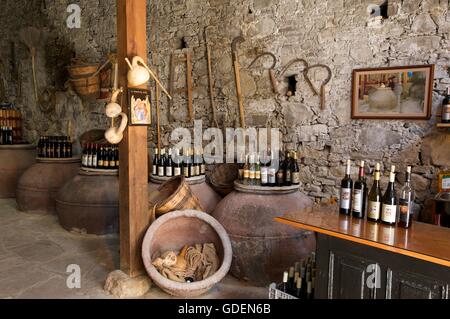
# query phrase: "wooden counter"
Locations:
[[423, 241], [351, 253]]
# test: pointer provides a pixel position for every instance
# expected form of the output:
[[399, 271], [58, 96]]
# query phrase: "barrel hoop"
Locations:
[[86, 205]]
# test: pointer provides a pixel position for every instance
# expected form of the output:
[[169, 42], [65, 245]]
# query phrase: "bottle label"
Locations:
[[177, 171], [203, 169], [288, 176], [89, 160], [100, 163], [258, 174], [272, 175], [357, 200], [197, 170], [446, 112], [346, 194], [160, 170], [373, 210], [94, 160], [246, 173], [186, 172], [84, 160], [169, 171], [264, 175], [296, 177], [252, 174], [106, 163], [405, 210], [388, 213], [154, 170], [117, 163]]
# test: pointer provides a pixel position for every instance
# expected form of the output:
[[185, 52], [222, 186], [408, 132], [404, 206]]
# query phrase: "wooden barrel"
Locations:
[[175, 194], [77, 71], [89, 202], [206, 195], [39, 184], [14, 160], [87, 87], [262, 248]]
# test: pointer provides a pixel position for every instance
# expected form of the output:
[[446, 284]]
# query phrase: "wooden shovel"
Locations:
[[237, 78]]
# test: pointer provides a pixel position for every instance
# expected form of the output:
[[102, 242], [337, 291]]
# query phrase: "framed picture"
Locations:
[[139, 107], [393, 93]]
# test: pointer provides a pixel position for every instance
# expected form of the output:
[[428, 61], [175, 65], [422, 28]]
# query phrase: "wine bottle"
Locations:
[[169, 164], [284, 285], [117, 157], [299, 290], [446, 108], [389, 201], [193, 167], [272, 172], [295, 169], [280, 173], [252, 170], [162, 163], [258, 171], [405, 202], [265, 163], [246, 171], [197, 164], [374, 200], [187, 164], [346, 191], [288, 170], [309, 290], [90, 155], [95, 156], [291, 279], [359, 194], [241, 163], [178, 166], [155, 163], [100, 157], [202, 163]]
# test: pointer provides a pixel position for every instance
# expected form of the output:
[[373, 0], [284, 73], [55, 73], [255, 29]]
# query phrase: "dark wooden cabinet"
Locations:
[[347, 270]]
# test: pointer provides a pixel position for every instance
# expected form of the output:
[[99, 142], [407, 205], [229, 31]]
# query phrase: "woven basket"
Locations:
[[175, 194], [222, 177], [83, 70], [87, 87]]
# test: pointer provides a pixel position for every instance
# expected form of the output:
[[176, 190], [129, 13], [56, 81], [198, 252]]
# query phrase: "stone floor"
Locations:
[[35, 253]]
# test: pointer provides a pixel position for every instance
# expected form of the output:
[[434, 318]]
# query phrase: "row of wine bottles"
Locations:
[[189, 165], [261, 170], [6, 135], [299, 281], [388, 208], [55, 147], [100, 156]]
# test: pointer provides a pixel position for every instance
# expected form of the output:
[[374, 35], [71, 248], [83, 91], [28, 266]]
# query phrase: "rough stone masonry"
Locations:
[[337, 33]]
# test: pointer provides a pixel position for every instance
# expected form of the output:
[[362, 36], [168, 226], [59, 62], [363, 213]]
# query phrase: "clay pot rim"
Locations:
[[173, 286]]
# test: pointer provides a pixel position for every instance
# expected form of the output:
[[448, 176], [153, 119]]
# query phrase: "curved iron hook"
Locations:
[[264, 54]]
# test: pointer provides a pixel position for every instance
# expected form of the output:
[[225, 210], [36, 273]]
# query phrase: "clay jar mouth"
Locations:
[[189, 227]]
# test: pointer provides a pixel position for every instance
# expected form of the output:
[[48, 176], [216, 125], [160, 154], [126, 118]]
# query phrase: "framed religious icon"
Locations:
[[393, 93], [139, 107]]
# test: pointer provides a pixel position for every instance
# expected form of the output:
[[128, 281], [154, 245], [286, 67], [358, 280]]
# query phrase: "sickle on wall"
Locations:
[[322, 86], [273, 79]]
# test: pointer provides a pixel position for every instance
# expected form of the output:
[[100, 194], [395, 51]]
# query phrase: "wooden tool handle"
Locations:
[[322, 97], [273, 81], [189, 85], [211, 88], [33, 67], [239, 94]]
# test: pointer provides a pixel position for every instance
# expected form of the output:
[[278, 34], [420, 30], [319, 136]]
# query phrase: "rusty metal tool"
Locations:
[[273, 79], [293, 61], [237, 78], [322, 86], [210, 79]]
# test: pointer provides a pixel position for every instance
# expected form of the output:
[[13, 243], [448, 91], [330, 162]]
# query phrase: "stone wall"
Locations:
[[332, 32]]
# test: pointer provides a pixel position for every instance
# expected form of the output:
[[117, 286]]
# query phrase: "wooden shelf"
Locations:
[[443, 125]]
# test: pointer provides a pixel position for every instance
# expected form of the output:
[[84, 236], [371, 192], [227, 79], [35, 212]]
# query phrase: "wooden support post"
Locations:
[[133, 186]]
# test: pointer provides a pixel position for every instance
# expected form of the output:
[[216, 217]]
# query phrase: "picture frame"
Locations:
[[401, 92], [139, 107]]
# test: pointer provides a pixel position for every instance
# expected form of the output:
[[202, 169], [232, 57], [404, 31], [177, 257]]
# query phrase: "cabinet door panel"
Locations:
[[348, 277], [406, 285]]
